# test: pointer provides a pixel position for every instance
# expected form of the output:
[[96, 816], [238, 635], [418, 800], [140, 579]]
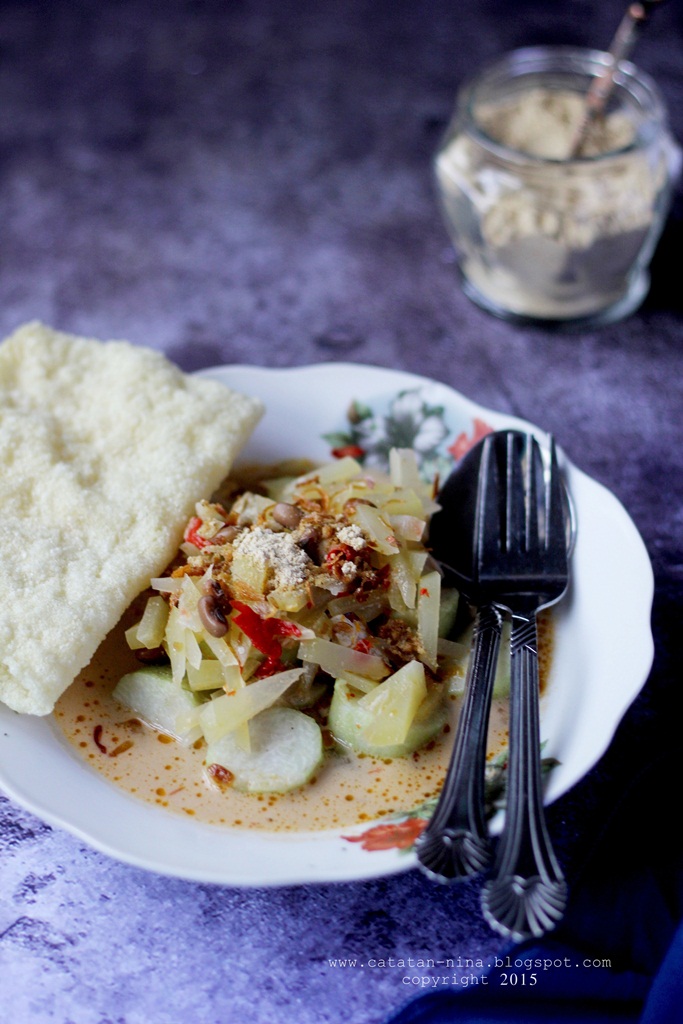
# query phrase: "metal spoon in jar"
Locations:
[[636, 16]]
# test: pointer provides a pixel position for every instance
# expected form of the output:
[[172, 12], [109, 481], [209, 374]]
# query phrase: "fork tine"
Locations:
[[556, 513], [535, 494], [488, 499], [515, 489], [521, 507]]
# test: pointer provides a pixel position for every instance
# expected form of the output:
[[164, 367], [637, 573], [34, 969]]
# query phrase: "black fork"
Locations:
[[526, 895]]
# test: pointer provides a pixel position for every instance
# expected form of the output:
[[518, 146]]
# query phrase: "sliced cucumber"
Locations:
[[348, 719], [152, 696], [448, 609], [286, 749], [501, 683]]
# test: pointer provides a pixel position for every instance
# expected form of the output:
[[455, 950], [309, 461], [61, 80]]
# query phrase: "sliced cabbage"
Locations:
[[337, 660], [428, 605], [149, 631], [375, 527], [231, 710]]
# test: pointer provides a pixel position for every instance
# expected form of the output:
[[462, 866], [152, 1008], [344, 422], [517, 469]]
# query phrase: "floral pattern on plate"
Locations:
[[404, 828], [411, 419]]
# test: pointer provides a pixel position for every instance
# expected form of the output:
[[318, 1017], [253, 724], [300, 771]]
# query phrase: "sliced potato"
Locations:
[[249, 572], [348, 718], [393, 705]]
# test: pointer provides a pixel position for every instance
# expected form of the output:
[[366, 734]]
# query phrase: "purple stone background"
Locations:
[[249, 181]]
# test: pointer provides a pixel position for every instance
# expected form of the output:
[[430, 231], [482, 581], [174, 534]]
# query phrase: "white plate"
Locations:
[[603, 649]]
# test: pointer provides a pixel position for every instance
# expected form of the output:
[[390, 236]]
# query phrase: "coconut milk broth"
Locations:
[[151, 766]]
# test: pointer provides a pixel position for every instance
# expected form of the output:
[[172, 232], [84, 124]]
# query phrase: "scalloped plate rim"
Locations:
[[139, 834]]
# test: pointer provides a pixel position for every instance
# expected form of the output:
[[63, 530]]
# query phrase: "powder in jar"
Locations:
[[540, 234], [544, 122]]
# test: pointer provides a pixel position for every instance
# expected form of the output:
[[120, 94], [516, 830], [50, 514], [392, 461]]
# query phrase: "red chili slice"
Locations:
[[364, 645], [265, 635], [340, 553], [354, 450]]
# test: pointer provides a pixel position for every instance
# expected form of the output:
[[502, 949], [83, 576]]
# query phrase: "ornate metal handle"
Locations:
[[455, 843], [527, 894]]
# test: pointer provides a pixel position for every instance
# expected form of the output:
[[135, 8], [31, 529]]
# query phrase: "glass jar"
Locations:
[[543, 235]]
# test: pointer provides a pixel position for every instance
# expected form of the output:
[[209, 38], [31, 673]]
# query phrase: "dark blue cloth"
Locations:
[[618, 955]]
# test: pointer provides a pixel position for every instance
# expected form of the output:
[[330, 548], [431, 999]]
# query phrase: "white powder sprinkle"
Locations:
[[353, 536], [277, 551]]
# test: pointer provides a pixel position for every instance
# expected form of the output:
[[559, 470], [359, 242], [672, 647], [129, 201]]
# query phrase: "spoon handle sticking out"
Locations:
[[635, 17]]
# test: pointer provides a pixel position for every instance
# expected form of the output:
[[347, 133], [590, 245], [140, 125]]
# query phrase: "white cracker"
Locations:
[[104, 449]]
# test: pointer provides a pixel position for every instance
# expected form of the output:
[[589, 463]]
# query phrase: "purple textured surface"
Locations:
[[250, 182]]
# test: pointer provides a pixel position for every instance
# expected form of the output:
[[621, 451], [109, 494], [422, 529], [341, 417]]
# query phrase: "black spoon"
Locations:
[[455, 843]]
